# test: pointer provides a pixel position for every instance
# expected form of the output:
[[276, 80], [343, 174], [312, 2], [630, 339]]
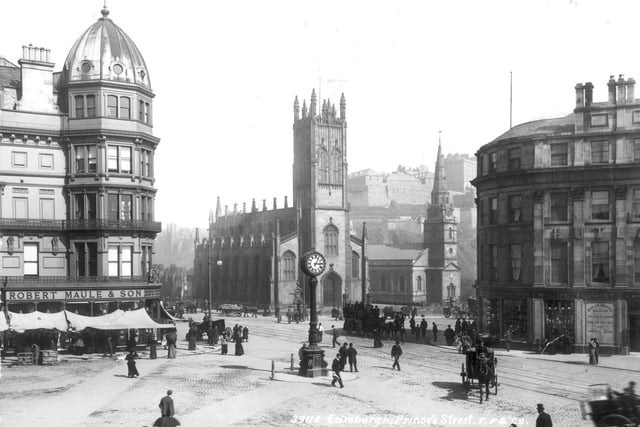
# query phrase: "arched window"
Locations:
[[383, 283], [288, 266], [336, 167], [401, 283], [355, 265], [419, 280], [450, 233], [323, 166], [331, 240]]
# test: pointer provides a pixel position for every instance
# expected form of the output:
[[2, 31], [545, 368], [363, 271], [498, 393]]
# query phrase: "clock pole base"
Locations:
[[313, 363]]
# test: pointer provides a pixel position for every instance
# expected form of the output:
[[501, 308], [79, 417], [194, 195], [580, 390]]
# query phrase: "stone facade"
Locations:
[[559, 201], [260, 250], [76, 177]]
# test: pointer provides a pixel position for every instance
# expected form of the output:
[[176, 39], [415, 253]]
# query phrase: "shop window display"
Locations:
[[514, 314], [559, 319], [491, 316]]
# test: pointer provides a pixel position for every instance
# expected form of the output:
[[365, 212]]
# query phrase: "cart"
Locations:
[[609, 408], [480, 367]]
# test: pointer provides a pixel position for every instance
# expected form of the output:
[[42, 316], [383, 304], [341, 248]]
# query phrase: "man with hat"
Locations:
[[543, 420], [166, 405]]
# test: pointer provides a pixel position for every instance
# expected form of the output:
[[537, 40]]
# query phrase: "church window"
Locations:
[[288, 266], [331, 240], [336, 167], [355, 265], [323, 166], [419, 282], [450, 233]]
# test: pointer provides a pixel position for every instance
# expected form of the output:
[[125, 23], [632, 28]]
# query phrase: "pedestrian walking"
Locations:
[[245, 334], [334, 331], [593, 351], [110, 345], [167, 412], [239, 348], [352, 354], [507, 339], [131, 364], [224, 347], [423, 327], [343, 352], [336, 367], [211, 334], [320, 332], [434, 329], [396, 352], [543, 420], [172, 339]]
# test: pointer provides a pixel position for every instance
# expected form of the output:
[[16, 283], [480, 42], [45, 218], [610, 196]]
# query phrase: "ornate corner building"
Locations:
[[76, 177], [251, 256], [559, 225]]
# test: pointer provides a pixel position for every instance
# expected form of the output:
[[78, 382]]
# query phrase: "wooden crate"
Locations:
[[25, 359], [49, 357]]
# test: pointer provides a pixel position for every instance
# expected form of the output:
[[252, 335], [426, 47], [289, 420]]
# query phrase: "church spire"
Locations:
[[439, 194]]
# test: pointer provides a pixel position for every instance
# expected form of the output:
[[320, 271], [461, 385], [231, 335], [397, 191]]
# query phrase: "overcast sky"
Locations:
[[225, 74]]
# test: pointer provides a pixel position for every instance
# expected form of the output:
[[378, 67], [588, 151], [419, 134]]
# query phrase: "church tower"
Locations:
[[440, 238], [320, 195]]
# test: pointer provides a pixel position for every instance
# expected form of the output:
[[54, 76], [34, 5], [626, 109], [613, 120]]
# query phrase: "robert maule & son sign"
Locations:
[[58, 295]]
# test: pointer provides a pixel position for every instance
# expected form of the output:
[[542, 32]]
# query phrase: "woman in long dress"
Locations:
[[172, 337], [239, 349], [131, 364]]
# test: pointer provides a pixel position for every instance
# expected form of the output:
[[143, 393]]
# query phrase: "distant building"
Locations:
[[259, 249], [460, 170], [397, 275], [368, 188], [77, 179], [559, 225]]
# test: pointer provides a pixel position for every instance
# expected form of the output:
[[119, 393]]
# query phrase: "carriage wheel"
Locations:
[[614, 420]]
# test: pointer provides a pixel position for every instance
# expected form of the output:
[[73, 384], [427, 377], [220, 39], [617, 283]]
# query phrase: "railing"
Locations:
[[70, 279], [16, 224]]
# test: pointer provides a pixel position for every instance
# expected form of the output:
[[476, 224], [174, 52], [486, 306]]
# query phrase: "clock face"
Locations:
[[314, 263]]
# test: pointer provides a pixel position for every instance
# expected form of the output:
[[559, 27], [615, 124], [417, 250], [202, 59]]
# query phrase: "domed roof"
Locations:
[[105, 52]]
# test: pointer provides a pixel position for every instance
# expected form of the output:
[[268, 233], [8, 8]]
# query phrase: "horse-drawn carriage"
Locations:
[[480, 366], [608, 408]]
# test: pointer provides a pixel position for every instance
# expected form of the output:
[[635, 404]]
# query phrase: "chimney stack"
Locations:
[[612, 90], [579, 95], [622, 90]]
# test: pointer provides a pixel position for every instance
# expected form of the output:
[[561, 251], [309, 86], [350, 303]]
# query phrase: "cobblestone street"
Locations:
[[212, 390]]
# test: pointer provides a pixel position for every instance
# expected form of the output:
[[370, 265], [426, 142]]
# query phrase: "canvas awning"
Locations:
[[20, 322], [3, 322], [63, 320], [164, 313]]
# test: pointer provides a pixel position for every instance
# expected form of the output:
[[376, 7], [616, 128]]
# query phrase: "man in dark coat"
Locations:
[[449, 335], [131, 364], [396, 352], [543, 420], [336, 367], [166, 405], [423, 327], [352, 355], [344, 353], [435, 331]]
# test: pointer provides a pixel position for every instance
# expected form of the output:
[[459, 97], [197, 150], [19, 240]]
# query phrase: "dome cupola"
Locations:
[[105, 53]]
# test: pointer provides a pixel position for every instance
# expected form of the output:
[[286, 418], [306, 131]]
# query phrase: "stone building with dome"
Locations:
[[77, 188], [559, 225]]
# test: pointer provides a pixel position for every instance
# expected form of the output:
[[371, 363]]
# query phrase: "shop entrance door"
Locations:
[[634, 331]]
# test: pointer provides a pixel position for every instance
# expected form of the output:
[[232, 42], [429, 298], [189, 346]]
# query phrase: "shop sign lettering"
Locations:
[[74, 295], [601, 322]]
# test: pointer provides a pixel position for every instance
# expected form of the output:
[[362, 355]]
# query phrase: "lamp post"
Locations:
[[218, 264]]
